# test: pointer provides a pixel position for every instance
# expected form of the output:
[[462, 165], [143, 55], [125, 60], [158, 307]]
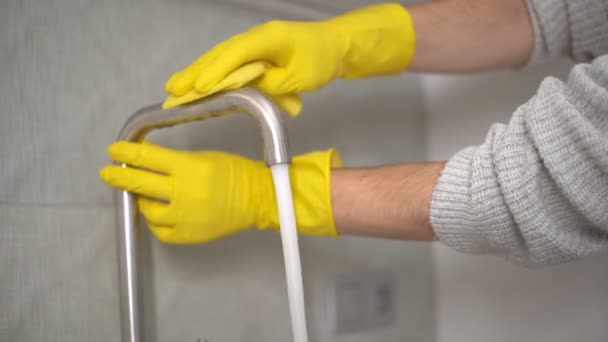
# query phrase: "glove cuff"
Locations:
[[382, 40], [310, 181]]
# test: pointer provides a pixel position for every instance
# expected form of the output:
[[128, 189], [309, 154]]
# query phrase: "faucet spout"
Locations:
[[252, 102], [276, 151]]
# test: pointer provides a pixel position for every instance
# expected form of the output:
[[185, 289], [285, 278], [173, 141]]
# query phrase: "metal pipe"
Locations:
[[276, 151]]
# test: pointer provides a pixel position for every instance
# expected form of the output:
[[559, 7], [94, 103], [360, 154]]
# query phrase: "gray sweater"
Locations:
[[536, 191]]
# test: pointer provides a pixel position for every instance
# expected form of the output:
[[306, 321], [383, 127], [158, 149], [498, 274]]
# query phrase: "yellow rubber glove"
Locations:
[[305, 56], [237, 79], [193, 197]]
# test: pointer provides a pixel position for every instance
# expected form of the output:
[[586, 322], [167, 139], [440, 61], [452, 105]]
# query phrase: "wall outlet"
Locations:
[[361, 301]]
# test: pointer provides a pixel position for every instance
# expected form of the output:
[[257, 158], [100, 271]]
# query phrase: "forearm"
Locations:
[[389, 201], [471, 35], [535, 190]]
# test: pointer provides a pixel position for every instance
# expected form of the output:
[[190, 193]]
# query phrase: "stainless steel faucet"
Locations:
[[276, 151]]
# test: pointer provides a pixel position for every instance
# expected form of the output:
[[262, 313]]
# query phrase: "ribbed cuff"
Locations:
[[567, 28], [451, 214], [550, 38]]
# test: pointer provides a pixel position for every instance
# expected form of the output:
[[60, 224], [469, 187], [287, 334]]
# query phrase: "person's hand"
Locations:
[[237, 79], [194, 197], [305, 56]]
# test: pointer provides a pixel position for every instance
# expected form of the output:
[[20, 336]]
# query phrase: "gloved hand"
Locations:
[[305, 56], [237, 79], [193, 197]]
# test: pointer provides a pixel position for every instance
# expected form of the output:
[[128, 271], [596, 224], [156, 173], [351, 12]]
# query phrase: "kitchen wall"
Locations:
[[71, 72]]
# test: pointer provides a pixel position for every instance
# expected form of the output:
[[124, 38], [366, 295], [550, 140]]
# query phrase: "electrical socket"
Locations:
[[361, 301]]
